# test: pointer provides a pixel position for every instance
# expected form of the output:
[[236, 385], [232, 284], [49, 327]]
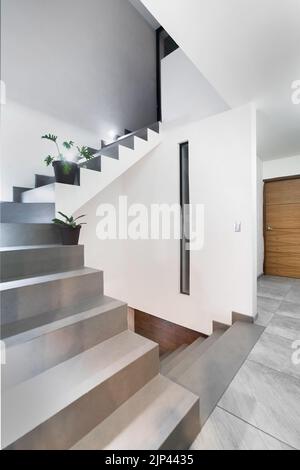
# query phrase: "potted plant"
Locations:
[[70, 230], [65, 171]]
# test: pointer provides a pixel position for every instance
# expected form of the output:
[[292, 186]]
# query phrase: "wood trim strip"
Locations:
[[281, 178]]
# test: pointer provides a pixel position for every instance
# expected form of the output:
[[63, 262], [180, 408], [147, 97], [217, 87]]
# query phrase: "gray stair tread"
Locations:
[[193, 353], [76, 314], [185, 352], [210, 375], [34, 401], [29, 328], [30, 281], [171, 358], [145, 421]]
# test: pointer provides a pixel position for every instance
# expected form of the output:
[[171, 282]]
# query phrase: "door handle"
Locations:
[[269, 228]]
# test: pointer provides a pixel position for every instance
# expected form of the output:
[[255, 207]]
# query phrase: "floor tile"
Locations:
[[266, 399], [273, 290], [276, 352], [266, 307], [284, 326], [289, 309], [267, 280], [295, 282], [293, 295], [224, 431]]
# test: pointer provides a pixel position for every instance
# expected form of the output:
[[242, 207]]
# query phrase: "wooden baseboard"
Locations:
[[168, 335]]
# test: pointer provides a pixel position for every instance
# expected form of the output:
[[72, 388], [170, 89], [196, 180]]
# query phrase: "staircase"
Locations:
[[75, 377], [96, 174]]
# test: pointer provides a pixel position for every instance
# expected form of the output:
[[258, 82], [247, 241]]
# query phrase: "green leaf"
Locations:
[[80, 217], [85, 152], [48, 160], [51, 137], [68, 145], [59, 222], [65, 216]]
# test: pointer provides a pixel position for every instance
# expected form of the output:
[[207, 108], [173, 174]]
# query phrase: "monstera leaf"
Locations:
[[68, 144], [85, 152], [51, 137], [48, 160]]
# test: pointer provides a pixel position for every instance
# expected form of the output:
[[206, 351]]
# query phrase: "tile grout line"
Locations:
[[255, 427], [275, 370]]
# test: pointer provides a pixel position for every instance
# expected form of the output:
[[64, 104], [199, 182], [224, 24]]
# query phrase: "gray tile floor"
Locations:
[[261, 408]]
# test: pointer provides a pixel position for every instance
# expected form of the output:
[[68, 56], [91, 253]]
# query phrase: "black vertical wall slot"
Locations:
[[185, 223]]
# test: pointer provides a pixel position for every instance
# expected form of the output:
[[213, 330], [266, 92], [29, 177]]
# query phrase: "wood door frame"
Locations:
[[271, 180]]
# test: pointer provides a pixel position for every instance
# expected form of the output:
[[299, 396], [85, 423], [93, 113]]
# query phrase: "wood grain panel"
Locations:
[[283, 216], [283, 264], [283, 192], [283, 241], [169, 336], [282, 227]]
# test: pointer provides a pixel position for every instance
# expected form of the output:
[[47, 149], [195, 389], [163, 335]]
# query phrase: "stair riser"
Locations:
[[24, 302], [71, 424], [23, 363], [17, 193], [29, 234], [43, 180], [29, 263], [186, 432], [18, 213]]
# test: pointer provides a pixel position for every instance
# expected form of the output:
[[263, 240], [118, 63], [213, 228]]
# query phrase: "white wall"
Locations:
[[145, 273], [260, 223], [185, 92], [78, 68], [288, 166]]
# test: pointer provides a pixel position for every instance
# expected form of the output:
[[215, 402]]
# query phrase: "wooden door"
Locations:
[[282, 227]]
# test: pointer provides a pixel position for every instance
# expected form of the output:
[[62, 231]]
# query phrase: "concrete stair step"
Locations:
[[155, 127], [27, 297], [28, 261], [43, 180], [210, 375], [16, 212], [111, 150], [162, 415], [32, 324], [186, 359], [32, 352], [29, 234], [167, 362], [17, 193], [56, 409]]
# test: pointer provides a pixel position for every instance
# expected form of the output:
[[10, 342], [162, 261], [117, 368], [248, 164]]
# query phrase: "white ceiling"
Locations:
[[249, 50]]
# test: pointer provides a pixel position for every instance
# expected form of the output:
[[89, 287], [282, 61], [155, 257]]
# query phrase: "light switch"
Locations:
[[238, 227]]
